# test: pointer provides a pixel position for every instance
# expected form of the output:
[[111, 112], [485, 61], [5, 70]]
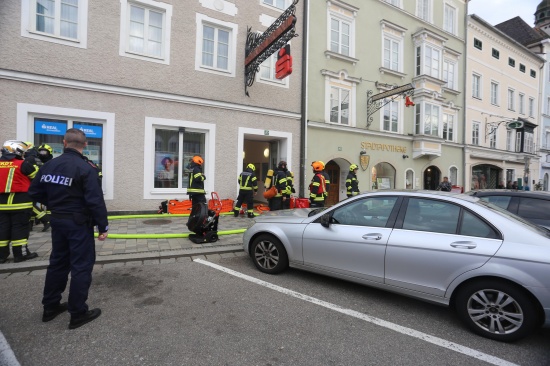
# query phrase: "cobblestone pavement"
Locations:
[[121, 250]]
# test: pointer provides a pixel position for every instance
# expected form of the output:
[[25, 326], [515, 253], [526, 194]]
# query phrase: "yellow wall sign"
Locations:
[[383, 147]]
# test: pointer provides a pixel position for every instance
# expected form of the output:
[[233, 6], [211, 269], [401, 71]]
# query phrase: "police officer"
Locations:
[[352, 184], [317, 187], [196, 181], [71, 188], [247, 184], [15, 203], [281, 184]]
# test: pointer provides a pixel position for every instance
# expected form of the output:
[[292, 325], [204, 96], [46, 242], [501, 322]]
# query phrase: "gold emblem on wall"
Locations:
[[364, 159]]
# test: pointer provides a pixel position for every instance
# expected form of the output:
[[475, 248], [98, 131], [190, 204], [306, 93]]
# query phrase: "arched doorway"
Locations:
[[432, 176], [333, 171], [486, 176], [383, 176]]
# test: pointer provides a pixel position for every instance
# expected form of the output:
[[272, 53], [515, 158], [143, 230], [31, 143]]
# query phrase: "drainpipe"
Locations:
[[303, 127], [465, 81]]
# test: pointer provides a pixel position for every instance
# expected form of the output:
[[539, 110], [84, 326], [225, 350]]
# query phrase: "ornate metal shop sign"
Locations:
[[377, 101], [259, 47]]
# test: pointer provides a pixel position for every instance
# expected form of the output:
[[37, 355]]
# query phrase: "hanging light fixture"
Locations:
[[266, 152]]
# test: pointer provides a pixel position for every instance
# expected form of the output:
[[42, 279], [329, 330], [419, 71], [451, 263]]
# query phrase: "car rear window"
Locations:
[[500, 201], [534, 208]]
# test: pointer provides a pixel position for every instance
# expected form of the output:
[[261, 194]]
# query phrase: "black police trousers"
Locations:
[[73, 250]]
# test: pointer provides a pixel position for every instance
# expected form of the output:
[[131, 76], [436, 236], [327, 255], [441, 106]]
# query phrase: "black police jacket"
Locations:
[[69, 186]]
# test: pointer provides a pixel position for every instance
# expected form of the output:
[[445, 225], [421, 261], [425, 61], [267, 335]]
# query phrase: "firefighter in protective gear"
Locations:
[[41, 154], [281, 184], [290, 188], [196, 180], [45, 153], [16, 174], [248, 187], [317, 187], [327, 179], [352, 184]]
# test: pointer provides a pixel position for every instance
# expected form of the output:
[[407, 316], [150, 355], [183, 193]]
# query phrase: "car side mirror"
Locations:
[[325, 220]]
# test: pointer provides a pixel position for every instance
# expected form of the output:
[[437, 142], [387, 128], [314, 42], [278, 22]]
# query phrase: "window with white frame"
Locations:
[[511, 100], [216, 43], [427, 119], [58, 21], [546, 142], [279, 4], [493, 139], [409, 179], [494, 93], [449, 19], [509, 139], [449, 73], [529, 145], [531, 107], [453, 175], [475, 133], [521, 103], [391, 117], [518, 141], [392, 59], [548, 106], [476, 86], [339, 105], [145, 30], [424, 9], [168, 150], [340, 36], [394, 2], [448, 126], [268, 71], [428, 60]]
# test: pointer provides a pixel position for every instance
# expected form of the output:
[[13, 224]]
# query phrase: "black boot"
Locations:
[[236, 213], [251, 215], [46, 222], [78, 321], [23, 257]]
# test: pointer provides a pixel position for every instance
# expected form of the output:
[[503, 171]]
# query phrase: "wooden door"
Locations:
[[333, 170]]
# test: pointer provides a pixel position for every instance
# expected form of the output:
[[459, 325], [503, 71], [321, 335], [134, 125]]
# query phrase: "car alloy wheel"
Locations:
[[497, 310], [268, 254]]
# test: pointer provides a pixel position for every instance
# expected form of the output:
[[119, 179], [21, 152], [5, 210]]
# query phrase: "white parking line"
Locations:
[[371, 319]]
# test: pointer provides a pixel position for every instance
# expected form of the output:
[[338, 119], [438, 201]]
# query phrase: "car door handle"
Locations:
[[464, 245], [372, 236]]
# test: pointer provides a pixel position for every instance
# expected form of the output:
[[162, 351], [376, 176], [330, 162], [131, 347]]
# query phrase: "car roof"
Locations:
[[417, 192], [510, 192]]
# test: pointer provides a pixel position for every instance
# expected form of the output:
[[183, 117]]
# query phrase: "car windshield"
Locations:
[[316, 211], [540, 229]]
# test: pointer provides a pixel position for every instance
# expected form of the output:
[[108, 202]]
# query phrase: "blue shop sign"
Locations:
[[90, 131], [49, 127]]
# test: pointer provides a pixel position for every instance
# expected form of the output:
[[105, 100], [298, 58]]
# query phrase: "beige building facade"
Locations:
[[503, 109]]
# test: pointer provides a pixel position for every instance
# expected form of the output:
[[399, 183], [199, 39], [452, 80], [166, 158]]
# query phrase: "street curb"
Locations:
[[122, 258]]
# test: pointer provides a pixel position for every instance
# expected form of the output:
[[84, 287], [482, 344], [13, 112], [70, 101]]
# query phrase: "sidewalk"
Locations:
[[129, 250]]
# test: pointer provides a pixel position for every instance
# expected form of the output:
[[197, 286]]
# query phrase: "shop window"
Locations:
[[383, 176], [409, 179]]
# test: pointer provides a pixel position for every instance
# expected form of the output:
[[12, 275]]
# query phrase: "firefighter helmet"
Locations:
[[352, 167], [45, 147], [251, 167], [197, 160], [318, 166], [282, 164], [15, 147]]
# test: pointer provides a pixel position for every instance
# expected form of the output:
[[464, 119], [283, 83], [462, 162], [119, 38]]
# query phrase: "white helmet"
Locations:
[[15, 147]]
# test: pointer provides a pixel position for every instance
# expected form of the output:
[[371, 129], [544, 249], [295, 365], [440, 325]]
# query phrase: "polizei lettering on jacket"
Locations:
[[56, 179]]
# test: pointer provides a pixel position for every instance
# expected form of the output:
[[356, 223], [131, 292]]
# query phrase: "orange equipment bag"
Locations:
[[270, 193], [261, 208], [179, 207], [218, 205], [301, 203]]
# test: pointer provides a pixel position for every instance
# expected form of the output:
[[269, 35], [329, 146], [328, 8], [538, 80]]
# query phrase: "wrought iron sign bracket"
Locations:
[[259, 47], [378, 101], [492, 127]]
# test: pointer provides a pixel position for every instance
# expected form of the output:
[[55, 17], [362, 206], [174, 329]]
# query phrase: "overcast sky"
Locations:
[[497, 11]]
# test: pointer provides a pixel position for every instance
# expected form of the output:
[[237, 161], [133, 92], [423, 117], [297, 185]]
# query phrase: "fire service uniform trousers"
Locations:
[[73, 244], [14, 228], [245, 196]]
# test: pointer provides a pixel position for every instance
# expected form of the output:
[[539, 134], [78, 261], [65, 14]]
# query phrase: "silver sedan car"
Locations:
[[451, 249]]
